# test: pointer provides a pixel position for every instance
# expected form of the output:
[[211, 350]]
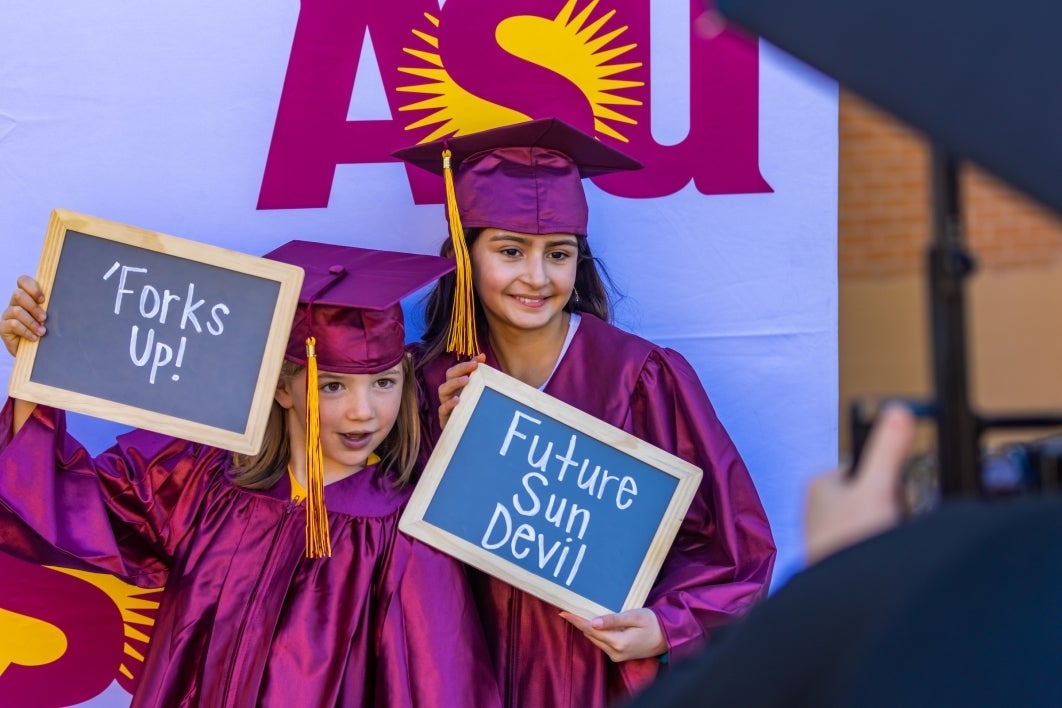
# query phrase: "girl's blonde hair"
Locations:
[[398, 452]]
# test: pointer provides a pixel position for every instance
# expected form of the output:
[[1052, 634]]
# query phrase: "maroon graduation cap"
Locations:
[[350, 301], [526, 177]]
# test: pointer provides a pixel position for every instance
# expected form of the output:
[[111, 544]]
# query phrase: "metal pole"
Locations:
[[958, 431]]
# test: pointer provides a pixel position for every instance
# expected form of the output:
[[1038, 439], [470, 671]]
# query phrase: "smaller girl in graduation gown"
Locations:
[[527, 294], [286, 580]]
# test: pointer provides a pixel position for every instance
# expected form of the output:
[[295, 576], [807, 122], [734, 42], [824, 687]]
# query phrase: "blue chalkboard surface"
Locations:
[[158, 332], [550, 499]]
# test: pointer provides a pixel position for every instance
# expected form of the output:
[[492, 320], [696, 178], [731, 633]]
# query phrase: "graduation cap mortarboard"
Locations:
[[525, 177], [350, 303], [349, 320], [973, 75]]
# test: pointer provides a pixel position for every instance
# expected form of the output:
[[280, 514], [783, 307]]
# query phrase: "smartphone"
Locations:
[[1008, 467]]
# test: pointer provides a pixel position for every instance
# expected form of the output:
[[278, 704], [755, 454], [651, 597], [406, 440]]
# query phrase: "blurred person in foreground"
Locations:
[[961, 606]]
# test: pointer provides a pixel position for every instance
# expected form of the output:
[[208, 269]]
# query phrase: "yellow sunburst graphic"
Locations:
[[572, 45], [130, 600]]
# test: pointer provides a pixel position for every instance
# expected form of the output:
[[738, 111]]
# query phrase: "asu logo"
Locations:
[[66, 635], [476, 64]]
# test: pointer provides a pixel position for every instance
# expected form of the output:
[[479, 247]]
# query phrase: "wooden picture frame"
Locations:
[[158, 332], [574, 494]]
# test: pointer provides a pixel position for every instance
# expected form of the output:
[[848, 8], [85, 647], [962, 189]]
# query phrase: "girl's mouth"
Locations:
[[356, 441]]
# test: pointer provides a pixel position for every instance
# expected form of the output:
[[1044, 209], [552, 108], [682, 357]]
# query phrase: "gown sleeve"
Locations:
[[432, 649], [121, 512], [720, 563]]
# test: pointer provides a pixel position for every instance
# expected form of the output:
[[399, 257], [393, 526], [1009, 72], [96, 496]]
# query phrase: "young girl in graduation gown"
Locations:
[[271, 597], [536, 308]]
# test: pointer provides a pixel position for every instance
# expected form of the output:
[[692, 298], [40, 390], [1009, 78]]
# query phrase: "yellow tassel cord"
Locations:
[[318, 541], [462, 337]]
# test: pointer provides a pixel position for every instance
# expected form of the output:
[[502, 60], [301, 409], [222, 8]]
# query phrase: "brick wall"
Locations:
[[1013, 300], [883, 207]]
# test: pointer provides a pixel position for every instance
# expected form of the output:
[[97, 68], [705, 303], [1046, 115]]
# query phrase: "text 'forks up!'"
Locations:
[[157, 306]]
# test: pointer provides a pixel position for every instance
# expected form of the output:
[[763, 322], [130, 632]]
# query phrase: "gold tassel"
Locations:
[[462, 336], [318, 541]]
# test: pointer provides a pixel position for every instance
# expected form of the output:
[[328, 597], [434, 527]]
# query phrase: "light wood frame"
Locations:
[[414, 524], [289, 278]]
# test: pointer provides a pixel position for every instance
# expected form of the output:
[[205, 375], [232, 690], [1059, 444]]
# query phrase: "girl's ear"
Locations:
[[283, 394]]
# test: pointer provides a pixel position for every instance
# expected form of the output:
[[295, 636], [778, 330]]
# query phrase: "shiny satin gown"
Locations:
[[245, 618], [719, 565]]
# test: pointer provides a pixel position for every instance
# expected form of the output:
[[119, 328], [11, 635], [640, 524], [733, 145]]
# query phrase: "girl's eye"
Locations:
[[332, 387], [510, 252], [386, 383], [559, 255]]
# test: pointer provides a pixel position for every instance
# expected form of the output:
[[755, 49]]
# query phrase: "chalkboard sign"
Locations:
[[550, 499], [158, 332]]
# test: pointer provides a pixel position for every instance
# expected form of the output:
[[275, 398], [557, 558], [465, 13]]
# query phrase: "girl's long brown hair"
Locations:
[[398, 452]]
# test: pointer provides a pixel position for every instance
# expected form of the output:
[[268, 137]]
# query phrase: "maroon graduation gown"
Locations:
[[245, 618], [718, 566]]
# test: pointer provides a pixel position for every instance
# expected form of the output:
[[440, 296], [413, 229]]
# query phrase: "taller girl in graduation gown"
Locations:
[[262, 606], [541, 314]]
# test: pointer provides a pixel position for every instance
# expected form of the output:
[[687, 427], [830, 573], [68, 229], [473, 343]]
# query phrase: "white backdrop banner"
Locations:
[[247, 124]]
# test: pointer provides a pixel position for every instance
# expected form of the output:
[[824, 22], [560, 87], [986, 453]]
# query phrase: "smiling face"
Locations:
[[523, 280], [358, 412]]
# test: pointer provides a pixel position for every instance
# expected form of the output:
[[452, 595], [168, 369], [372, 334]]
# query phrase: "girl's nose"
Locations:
[[359, 404], [535, 272]]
